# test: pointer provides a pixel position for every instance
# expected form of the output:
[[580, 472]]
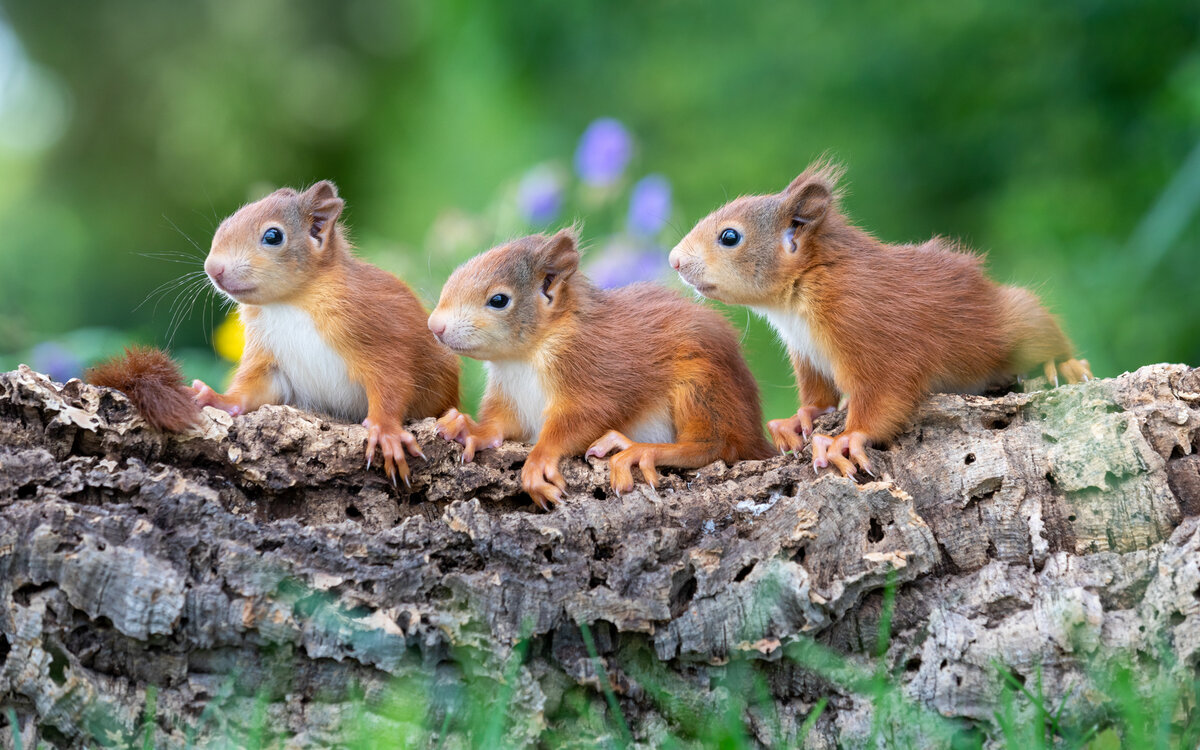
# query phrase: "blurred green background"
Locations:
[[1061, 139]]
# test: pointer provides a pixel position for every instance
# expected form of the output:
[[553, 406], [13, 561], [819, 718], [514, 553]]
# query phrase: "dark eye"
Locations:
[[730, 237], [498, 301], [272, 237]]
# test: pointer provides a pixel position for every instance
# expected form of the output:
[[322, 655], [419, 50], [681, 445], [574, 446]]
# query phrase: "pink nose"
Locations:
[[215, 270], [437, 326], [674, 261]]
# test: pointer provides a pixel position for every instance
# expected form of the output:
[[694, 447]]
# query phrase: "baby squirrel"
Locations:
[[326, 331], [883, 324], [575, 368]]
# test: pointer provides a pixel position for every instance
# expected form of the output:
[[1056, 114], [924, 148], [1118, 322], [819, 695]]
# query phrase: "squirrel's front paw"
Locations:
[[789, 434], [844, 452], [458, 427], [541, 479], [206, 396], [392, 440]]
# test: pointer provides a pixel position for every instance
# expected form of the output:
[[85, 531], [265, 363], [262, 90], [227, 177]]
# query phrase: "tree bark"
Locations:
[[261, 579]]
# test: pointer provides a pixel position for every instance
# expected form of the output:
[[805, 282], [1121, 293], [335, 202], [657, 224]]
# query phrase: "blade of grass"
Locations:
[[16, 728], [497, 717], [148, 718], [810, 721], [605, 686]]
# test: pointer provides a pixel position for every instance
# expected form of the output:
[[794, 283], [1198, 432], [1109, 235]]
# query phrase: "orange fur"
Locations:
[[153, 382], [884, 324], [607, 360], [369, 318]]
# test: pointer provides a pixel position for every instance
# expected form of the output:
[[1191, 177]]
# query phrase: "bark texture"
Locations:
[[256, 575]]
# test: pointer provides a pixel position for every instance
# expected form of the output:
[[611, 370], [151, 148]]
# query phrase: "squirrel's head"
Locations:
[[498, 305], [748, 251], [268, 249]]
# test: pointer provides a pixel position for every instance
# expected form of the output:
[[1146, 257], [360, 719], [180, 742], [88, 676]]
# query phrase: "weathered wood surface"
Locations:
[[257, 566]]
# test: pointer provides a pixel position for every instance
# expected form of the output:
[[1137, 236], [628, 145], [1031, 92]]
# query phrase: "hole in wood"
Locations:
[[875, 532], [58, 664], [997, 422], [970, 459], [681, 598]]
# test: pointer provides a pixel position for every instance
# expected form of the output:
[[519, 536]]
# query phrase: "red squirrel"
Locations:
[[883, 324], [574, 369], [326, 331]]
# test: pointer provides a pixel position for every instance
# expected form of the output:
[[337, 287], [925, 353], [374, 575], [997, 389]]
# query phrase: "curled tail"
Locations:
[[154, 383]]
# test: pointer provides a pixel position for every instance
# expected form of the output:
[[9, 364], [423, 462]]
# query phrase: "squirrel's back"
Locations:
[[660, 327]]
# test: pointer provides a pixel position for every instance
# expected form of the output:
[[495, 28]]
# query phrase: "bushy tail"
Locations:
[[154, 383], [1035, 336]]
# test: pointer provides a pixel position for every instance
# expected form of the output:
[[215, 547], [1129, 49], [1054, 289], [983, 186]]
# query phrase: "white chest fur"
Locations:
[[309, 373], [521, 386], [797, 337]]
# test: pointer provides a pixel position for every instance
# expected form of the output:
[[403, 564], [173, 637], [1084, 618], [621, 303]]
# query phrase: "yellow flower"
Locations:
[[230, 338]]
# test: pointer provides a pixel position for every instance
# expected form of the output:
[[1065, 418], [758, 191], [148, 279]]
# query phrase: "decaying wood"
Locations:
[[255, 565]]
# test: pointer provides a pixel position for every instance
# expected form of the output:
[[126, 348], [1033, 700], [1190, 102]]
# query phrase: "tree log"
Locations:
[[252, 576]]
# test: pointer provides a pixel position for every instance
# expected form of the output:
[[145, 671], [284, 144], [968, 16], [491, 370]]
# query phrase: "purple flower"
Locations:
[[54, 360], [620, 264], [603, 152], [650, 205], [539, 195]]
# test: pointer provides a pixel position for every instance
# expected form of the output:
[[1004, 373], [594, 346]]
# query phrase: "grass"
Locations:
[[1121, 703]]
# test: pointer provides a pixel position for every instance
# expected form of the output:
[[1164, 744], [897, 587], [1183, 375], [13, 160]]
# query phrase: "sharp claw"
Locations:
[[407, 483], [369, 459], [421, 455]]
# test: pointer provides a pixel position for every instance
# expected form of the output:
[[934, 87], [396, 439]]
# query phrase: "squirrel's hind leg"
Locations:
[[1072, 370], [648, 456]]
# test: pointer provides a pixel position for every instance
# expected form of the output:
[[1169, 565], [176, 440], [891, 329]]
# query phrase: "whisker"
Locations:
[[181, 232], [174, 257], [162, 289], [181, 310]]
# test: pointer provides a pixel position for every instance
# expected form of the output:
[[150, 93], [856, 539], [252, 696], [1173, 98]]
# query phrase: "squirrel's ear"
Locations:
[[557, 259], [321, 207], [807, 200]]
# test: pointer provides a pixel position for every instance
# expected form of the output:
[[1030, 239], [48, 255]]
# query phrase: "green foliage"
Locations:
[[1126, 701], [1055, 138]]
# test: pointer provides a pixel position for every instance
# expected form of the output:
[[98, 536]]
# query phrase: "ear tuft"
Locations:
[[810, 195], [557, 258], [560, 253], [321, 207]]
